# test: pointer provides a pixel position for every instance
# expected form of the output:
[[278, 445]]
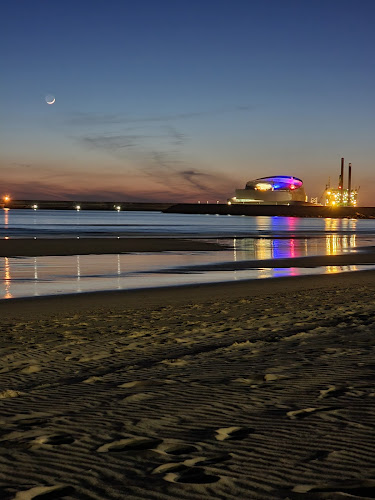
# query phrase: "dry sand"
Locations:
[[250, 390]]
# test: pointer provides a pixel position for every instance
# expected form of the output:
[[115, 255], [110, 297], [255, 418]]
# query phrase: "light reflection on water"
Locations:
[[252, 238], [32, 276], [7, 279], [50, 223], [76, 274], [278, 248]]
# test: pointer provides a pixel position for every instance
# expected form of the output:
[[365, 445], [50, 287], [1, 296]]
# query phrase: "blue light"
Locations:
[[282, 182]]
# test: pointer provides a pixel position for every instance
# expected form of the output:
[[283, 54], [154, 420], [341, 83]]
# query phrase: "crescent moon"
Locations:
[[51, 102]]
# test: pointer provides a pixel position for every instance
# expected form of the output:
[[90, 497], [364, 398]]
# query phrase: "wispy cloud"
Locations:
[[196, 178], [112, 143], [154, 146], [82, 118], [159, 158], [146, 139], [20, 165]]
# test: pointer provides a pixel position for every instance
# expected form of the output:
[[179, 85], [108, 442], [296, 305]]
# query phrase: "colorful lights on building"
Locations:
[[273, 190], [263, 186], [275, 183]]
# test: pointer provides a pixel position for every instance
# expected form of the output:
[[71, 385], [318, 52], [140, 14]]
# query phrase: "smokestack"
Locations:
[[349, 183], [341, 181]]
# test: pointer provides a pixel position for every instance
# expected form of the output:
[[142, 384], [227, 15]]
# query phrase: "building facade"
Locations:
[[274, 190]]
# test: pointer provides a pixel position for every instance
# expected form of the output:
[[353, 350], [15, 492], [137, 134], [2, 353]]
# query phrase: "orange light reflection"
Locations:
[[6, 217], [7, 278]]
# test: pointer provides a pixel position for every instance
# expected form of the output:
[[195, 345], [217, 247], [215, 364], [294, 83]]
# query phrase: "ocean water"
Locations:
[[250, 238], [60, 223]]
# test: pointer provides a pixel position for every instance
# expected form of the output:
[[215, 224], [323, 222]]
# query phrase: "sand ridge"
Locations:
[[244, 395]]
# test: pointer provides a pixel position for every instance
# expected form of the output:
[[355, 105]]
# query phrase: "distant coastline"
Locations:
[[292, 210], [85, 205]]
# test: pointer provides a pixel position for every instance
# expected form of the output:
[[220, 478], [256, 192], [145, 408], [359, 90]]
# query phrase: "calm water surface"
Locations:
[[19, 223], [251, 238]]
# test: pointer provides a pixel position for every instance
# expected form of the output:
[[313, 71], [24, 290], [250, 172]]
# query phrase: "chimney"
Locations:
[[349, 183], [341, 181]]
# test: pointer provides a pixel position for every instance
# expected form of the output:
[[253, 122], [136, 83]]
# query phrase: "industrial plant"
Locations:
[[289, 190], [341, 196]]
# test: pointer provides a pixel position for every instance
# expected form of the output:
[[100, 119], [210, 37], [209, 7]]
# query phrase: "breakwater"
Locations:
[[85, 205], [293, 210]]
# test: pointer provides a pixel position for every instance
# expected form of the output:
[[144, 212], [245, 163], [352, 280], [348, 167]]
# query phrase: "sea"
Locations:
[[246, 239]]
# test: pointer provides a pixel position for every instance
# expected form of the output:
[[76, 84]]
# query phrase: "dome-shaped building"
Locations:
[[274, 190]]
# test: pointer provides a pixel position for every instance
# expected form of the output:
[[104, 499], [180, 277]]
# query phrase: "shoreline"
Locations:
[[135, 299], [43, 247], [30, 247], [363, 257]]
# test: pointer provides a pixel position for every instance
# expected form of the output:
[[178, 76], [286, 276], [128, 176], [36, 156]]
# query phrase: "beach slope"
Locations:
[[245, 390]]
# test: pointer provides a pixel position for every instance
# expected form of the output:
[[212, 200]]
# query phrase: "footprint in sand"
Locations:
[[129, 444], [44, 492], [213, 460], [193, 475], [176, 449], [298, 414], [317, 456], [190, 462], [233, 433], [55, 439], [140, 396], [170, 467], [29, 370], [93, 380], [335, 392], [332, 491], [29, 440], [10, 393], [180, 473], [138, 384]]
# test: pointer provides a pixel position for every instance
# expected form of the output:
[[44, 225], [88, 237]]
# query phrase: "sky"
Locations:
[[184, 100]]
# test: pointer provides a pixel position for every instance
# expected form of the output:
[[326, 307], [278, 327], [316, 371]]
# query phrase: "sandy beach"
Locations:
[[261, 389]]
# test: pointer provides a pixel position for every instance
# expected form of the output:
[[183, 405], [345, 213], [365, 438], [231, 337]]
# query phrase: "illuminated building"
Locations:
[[340, 196], [275, 190]]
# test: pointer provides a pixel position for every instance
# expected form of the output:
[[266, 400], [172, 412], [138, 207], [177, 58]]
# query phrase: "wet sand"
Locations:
[[30, 247], [259, 390]]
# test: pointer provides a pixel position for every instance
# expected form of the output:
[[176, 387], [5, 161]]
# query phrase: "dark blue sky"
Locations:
[[170, 99]]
